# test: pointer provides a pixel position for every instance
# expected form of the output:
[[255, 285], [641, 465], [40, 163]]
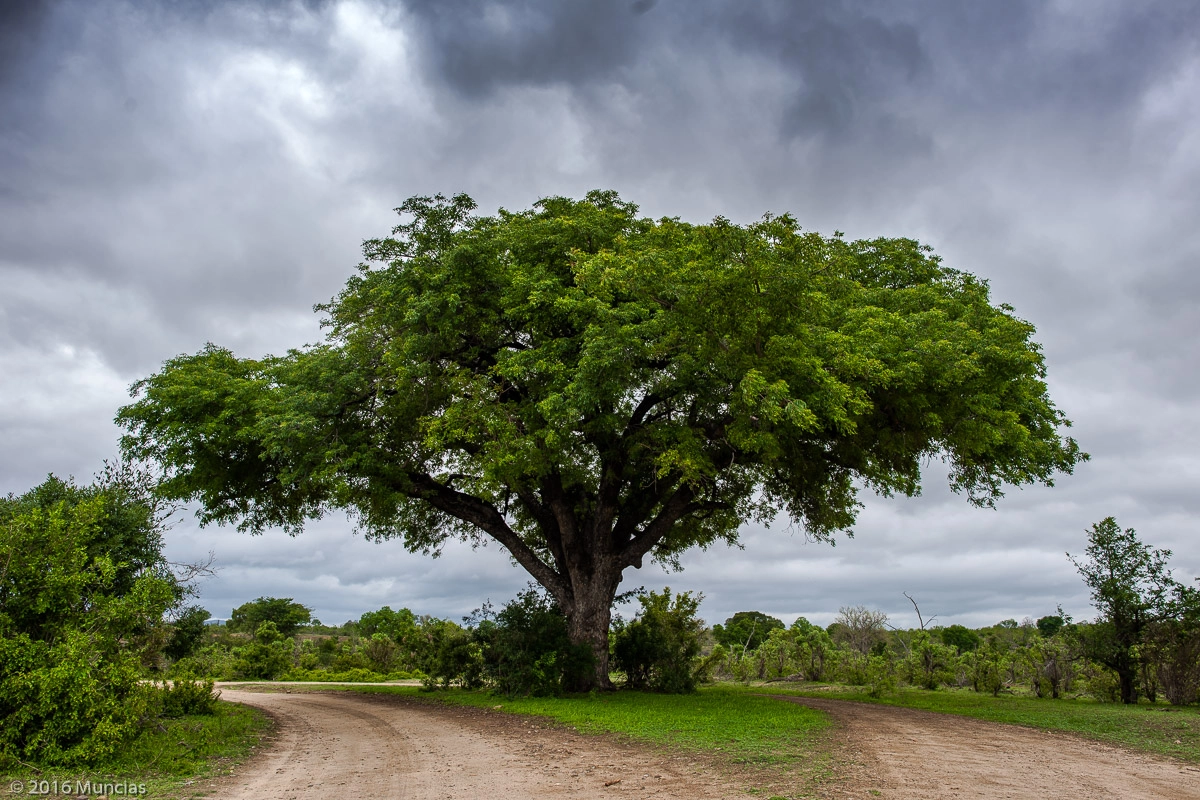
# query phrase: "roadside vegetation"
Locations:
[[90, 614], [171, 758], [1144, 647]]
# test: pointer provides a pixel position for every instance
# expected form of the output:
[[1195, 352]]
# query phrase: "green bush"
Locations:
[[187, 633], [659, 649], [214, 661], [881, 676], [187, 697], [82, 597], [267, 657], [525, 650]]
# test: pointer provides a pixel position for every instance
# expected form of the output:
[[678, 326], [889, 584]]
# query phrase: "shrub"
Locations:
[[214, 661], [659, 649], [929, 663], [381, 651], [525, 648], [881, 676], [83, 591], [186, 697], [457, 658], [267, 657], [187, 633]]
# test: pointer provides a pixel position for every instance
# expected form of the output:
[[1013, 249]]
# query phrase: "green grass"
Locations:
[[170, 758], [1160, 729], [743, 727]]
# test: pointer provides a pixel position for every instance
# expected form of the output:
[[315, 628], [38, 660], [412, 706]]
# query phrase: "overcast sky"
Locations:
[[173, 173]]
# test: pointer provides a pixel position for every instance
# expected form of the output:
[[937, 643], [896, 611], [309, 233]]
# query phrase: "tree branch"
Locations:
[[548, 525], [484, 516], [671, 512]]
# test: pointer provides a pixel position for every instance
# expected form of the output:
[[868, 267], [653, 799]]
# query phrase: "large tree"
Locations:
[[590, 389]]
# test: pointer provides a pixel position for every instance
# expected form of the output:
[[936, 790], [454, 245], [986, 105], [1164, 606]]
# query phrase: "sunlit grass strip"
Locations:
[[1161, 729], [729, 722]]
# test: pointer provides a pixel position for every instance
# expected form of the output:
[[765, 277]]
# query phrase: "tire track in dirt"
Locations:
[[322, 746], [351, 745], [905, 753]]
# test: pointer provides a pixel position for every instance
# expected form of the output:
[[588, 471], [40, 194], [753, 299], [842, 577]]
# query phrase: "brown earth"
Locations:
[[345, 744], [905, 753], [352, 745]]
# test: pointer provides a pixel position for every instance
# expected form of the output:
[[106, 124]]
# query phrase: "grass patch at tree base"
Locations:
[[171, 757], [743, 727], [777, 749]]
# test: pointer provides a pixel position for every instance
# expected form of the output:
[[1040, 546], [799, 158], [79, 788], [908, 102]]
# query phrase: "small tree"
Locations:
[[813, 646], [284, 613], [960, 637], [1175, 649], [527, 650], [929, 662], [746, 629], [187, 632], [1050, 625], [267, 656], [1133, 589]]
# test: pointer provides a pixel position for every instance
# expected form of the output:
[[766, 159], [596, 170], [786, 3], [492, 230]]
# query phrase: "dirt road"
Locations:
[[346, 744], [342, 744], [901, 753]]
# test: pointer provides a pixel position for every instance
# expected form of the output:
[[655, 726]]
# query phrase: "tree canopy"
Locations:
[[590, 389], [286, 614], [746, 629]]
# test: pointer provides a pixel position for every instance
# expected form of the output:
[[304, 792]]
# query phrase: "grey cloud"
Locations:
[[172, 174], [480, 46], [21, 27]]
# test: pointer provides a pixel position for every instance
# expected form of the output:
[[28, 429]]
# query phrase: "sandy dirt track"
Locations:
[[903, 753], [343, 744], [353, 745]]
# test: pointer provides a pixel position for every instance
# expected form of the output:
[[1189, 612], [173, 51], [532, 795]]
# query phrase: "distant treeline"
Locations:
[[524, 649]]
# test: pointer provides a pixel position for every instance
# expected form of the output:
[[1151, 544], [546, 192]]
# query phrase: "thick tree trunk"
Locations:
[[589, 613], [1128, 679]]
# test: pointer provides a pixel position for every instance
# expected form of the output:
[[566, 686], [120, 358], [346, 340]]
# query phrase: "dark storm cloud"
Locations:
[[480, 46], [22, 23], [844, 62], [177, 173]]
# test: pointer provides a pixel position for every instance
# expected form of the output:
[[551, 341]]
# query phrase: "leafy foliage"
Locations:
[[1134, 591], [188, 698], [746, 629], [960, 638], [284, 613], [527, 651], [187, 632], [590, 389], [83, 591], [266, 657], [658, 650]]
